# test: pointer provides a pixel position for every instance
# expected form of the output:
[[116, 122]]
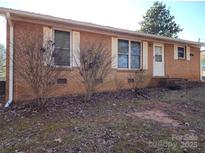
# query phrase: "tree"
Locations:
[[34, 64], [94, 67], [159, 21]]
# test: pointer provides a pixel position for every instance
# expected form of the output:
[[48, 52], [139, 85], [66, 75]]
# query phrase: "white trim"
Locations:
[[175, 52], [76, 49], [106, 28], [188, 53], [145, 53], [46, 36], [10, 62], [114, 52]]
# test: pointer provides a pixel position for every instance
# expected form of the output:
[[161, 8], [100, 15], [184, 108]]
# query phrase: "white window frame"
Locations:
[[129, 54], [178, 52], [71, 46]]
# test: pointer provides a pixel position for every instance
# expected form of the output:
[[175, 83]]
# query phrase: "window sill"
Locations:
[[127, 70], [63, 68], [182, 59]]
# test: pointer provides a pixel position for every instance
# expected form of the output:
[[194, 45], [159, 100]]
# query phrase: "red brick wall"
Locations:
[[179, 68], [117, 79]]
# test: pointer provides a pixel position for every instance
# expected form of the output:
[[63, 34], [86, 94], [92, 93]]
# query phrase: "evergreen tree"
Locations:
[[159, 21]]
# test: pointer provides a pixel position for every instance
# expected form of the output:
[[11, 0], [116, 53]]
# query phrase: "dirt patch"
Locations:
[[155, 115]]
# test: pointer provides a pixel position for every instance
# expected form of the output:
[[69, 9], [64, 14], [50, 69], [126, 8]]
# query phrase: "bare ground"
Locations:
[[168, 121]]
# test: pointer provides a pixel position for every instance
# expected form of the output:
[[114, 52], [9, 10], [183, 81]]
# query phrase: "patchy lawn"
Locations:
[[170, 121]]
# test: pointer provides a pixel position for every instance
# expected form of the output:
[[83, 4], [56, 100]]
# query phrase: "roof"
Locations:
[[91, 25]]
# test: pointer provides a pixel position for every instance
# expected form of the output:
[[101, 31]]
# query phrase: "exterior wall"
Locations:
[[117, 79], [182, 68], [21, 89]]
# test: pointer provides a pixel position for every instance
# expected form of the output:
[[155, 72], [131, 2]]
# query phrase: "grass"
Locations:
[[105, 126]]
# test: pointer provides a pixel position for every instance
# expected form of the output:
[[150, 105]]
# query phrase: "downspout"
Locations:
[[200, 59], [11, 71]]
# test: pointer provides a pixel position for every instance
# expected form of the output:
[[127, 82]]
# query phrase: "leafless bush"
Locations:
[[34, 64], [137, 79], [94, 67]]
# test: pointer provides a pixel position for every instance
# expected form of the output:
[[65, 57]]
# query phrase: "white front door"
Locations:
[[158, 60]]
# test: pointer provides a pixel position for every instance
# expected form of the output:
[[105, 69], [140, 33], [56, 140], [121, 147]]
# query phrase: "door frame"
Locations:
[[163, 59]]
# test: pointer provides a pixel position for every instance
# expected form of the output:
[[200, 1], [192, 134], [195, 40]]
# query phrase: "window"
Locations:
[[135, 54], [123, 53], [62, 48], [203, 66], [158, 54], [129, 53], [181, 52]]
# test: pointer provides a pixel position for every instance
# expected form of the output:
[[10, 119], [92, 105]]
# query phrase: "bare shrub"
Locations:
[[137, 79], [34, 64], [94, 67]]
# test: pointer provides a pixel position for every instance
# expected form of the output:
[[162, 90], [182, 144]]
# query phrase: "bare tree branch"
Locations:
[[34, 63], [94, 67], [137, 79]]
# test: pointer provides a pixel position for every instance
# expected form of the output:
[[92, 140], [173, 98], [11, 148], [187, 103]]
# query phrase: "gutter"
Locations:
[[11, 70]]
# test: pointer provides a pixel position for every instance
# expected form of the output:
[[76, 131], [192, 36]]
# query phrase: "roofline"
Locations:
[[91, 25]]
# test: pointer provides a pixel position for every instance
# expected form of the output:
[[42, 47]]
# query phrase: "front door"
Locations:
[[158, 60]]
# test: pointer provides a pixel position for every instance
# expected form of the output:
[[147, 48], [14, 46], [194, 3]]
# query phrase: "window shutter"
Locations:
[[47, 36], [114, 52], [76, 49], [145, 55], [175, 52], [188, 53]]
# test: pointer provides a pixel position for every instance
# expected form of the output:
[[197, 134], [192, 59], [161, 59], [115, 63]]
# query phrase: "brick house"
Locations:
[[160, 57]]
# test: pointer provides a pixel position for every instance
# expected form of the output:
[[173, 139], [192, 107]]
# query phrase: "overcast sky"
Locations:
[[116, 13]]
